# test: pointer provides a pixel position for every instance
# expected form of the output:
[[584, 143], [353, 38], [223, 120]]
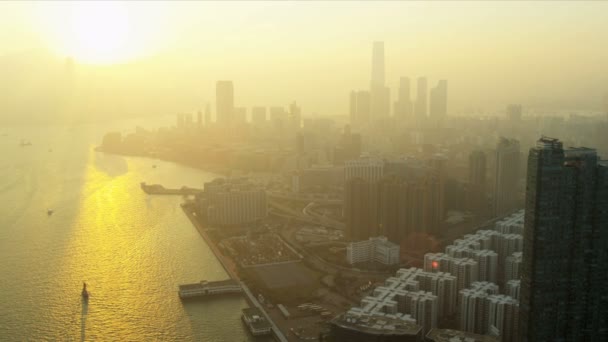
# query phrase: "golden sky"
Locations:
[[537, 53]]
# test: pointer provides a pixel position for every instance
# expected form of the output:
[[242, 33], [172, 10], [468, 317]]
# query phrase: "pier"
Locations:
[[209, 288], [231, 270]]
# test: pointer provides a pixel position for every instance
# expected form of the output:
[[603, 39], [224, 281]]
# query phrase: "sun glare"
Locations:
[[100, 32]]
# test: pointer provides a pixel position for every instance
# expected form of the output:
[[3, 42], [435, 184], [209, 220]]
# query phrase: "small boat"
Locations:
[[85, 293], [49, 212]]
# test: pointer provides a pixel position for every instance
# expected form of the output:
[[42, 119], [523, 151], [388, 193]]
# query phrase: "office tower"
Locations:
[[439, 164], [565, 258], [507, 177], [438, 101], [403, 106], [477, 182], [360, 107], [380, 94], [378, 65], [181, 121], [258, 116], [224, 102], [188, 120], [199, 120], [420, 107], [360, 209], [295, 116], [278, 117], [208, 114]]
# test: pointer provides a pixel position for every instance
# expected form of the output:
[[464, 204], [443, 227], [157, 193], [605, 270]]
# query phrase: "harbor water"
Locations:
[[132, 249]]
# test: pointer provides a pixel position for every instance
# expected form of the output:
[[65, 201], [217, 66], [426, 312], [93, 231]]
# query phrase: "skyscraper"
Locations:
[[380, 94], [438, 102], [420, 107], [564, 270], [507, 176], [477, 181], [378, 65], [224, 102], [403, 106]]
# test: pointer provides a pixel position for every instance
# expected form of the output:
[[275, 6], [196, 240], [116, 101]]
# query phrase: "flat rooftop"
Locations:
[[204, 284], [449, 335], [380, 325]]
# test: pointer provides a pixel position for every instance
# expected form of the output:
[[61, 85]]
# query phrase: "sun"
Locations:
[[99, 32]]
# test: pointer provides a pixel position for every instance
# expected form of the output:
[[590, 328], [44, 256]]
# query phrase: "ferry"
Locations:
[[256, 322], [209, 288]]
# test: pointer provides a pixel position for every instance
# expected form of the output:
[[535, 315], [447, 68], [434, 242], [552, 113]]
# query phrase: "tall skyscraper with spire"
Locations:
[[380, 94]]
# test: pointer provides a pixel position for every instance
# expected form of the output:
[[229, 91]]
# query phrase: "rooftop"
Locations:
[[377, 324], [448, 335], [205, 283]]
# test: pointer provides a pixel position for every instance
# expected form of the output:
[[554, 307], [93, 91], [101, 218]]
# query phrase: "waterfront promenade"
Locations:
[[230, 268]]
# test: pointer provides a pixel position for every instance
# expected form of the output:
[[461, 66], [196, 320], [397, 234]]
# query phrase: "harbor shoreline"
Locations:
[[231, 271]]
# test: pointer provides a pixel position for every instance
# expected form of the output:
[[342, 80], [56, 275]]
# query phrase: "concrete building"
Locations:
[[438, 101], [502, 313], [512, 266], [420, 106], [377, 249], [477, 182], [465, 270], [472, 306], [507, 177], [565, 229], [367, 168], [404, 108], [233, 202], [512, 288], [360, 107], [405, 296]]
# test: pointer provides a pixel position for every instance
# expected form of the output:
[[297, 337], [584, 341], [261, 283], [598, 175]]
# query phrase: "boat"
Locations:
[[85, 293], [256, 322], [49, 212]]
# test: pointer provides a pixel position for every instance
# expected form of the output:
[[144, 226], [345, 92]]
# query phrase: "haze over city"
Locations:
[[304, 171], [541, 55]]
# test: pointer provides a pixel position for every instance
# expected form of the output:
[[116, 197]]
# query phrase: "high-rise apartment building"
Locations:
[[438, 101], [420, 106], [507, 177], [224, 102], [564, 270], [403, 109], [477, 182]]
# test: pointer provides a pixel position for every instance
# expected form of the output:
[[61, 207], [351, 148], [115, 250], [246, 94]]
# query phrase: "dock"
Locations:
[[209, 288], [231, 270]]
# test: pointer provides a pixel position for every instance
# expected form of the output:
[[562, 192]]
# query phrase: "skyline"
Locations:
[[486, 68]]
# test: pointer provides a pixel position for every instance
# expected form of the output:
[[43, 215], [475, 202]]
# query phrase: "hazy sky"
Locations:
[[166, 57]]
